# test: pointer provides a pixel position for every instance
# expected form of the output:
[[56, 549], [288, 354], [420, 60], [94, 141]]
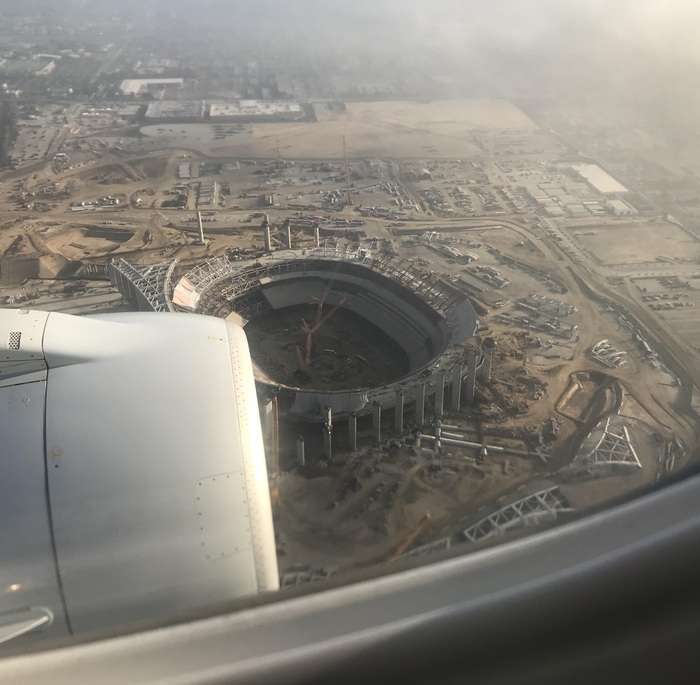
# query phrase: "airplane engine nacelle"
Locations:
[[133, 483]]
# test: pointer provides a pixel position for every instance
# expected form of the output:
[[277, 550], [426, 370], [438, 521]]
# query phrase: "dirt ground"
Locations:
[[401, 130], [334, 362], [320, 521], [641, 242]]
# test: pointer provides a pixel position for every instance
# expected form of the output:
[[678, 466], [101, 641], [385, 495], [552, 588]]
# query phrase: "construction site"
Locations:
[[398, 406], [442, 359]]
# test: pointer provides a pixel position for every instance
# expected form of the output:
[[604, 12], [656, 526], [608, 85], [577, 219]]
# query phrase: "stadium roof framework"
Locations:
[[613, 449], [218, 268], [425, 315], [154, 282], [150, 287], [532, 510]]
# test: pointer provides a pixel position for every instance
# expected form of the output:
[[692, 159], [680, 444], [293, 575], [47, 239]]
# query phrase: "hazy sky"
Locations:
[[546, 46], [662, 27], [665, 28]]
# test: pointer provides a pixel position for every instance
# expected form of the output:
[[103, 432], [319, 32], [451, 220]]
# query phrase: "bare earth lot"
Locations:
[[52, 258], [401, 130], [638, 243]]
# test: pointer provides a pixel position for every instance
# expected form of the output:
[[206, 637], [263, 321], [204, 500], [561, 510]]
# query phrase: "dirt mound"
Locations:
[[77, 243], [55, 266], [15, 271], [150, 167], [115, 174]]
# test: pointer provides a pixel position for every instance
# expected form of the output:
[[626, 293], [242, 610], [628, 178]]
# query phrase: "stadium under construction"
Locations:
[[335, 335]]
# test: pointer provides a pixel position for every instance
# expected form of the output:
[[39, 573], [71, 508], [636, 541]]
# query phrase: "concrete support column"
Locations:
[[201, 227], [440, 395], [289, 237], [267, 418], [489, 346], [301, 453], [268, 238], [437, 443], [352, 432], [420, 405], [456, 387], [327, 435], [377, 421], [470, 381], [317, 236], [398, 412]]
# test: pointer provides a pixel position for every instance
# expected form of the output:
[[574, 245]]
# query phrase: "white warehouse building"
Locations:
[[620, 208], [256, 110]]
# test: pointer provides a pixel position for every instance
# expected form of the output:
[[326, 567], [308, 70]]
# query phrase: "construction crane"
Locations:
[[411, 537], [305, 359], [320, 301], [309, 331]]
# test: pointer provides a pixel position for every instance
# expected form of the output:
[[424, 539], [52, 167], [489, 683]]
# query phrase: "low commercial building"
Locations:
[[620, 208], [140, 86], [256, 110], [599, 179], [174, 111], [129, 112]]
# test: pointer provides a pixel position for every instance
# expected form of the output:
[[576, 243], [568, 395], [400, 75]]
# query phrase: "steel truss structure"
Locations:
[[301, 577], [613, 449], [444, 543], [210, 271], [439, 294], [149, 286], [532, 510]]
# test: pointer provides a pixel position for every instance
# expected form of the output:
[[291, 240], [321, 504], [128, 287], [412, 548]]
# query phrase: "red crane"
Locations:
[[310, 330]]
